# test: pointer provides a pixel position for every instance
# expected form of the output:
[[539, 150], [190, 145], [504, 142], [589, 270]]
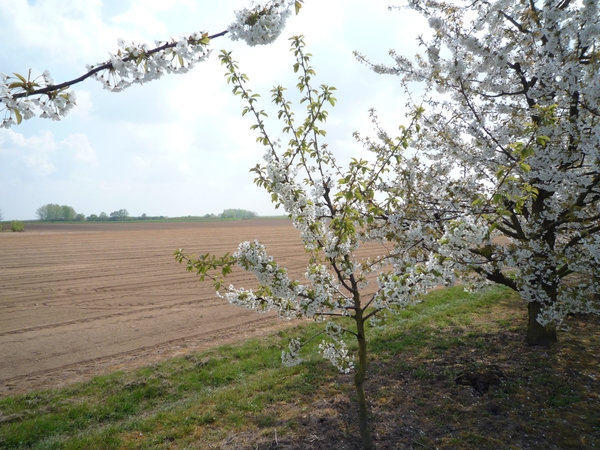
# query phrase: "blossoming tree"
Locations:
[[336, 211], [517, 116]]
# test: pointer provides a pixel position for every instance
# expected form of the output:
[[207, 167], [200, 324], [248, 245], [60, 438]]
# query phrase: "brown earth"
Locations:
[[79, 300]]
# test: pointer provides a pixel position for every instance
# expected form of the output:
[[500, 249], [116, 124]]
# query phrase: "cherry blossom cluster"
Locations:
[[403, 285], [137, 63], [292, 358], [292, 300], [140, 63], [277, 292], [262, 23], [337, 354], [334, 350], [53, 105]]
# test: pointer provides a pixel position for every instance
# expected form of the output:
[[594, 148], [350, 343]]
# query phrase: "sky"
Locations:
[[179, 146]]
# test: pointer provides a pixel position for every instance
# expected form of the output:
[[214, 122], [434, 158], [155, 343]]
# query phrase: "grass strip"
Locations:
[[450, 372]]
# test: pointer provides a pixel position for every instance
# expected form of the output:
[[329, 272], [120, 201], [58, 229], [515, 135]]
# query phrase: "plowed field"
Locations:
[[85, 299]]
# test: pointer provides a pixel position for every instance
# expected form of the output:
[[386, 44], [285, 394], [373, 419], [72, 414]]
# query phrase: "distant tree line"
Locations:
[[233, 214], [121, 214], [146, 217], [56, 213], [61, 213]]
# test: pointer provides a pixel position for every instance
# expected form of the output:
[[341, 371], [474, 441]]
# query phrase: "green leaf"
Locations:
[[542, 140], [18, 116], [498, 198], [528, 151], [20, 77], [478, 201], [205, 39]]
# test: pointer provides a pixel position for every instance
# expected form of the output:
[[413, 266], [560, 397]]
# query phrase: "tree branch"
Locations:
[[105, 66], [520, 27]]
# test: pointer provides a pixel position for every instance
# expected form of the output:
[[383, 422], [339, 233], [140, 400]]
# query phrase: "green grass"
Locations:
[[242, 397]]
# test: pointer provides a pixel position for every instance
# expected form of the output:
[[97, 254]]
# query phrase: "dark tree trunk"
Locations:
[[538, 334], [359, 379]]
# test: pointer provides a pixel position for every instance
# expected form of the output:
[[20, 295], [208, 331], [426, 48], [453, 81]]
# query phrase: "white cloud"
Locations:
[[152, 144], [160, 6], [31, 155], [141, 18], [85, 104], [54, 28], [38, 155], [80, 147]]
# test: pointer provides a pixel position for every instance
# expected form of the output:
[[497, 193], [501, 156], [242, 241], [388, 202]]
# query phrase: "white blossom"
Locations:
[[140, 63], [292, 357], [262, 23], [517, 118], [337, 354]]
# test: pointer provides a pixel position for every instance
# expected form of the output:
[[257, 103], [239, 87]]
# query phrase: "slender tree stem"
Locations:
[[359, 380]]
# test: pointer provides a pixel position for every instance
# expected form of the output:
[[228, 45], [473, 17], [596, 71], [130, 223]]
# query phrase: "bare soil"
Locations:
[[80, 300]]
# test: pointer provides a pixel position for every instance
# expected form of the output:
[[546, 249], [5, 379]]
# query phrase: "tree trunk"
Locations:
[[359, 380], [538, 334]]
